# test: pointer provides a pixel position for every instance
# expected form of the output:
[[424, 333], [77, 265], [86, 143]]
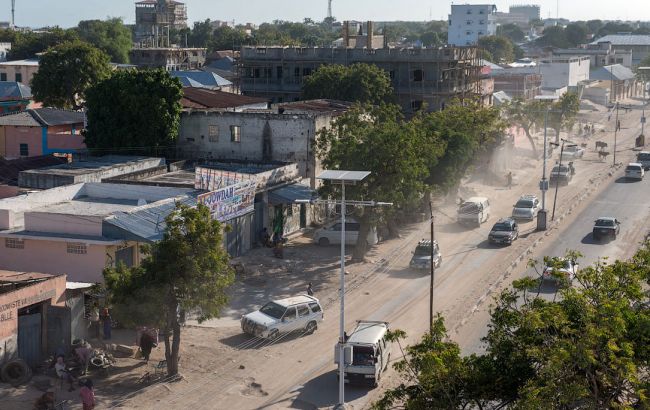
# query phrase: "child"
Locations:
[[62, 372], [87, 395]]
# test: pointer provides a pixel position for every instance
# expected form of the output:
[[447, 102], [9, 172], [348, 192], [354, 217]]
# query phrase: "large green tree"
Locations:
[[526, 114], [499, 47], [364, 83], [585, 349], [563, 113], [512, 32], [28, 44], [188, 270], [111, 36], [227, 38], [133, 112], [65, 73]]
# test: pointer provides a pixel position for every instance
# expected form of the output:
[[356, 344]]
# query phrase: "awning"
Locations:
[[290, 193]]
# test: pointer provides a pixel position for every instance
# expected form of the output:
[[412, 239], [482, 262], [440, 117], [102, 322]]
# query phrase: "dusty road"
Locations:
[[298, 372]]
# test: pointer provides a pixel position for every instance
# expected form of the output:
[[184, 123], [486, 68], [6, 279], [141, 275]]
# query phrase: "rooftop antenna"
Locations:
[[13, 10], [329, 9]]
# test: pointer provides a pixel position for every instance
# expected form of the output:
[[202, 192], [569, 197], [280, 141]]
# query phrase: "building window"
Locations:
[[418, 75], [469, 11], [278, 71], [3, 76], [235, 133], [213, 133], [19, 78], [77, 248], [14, 243], [391, 74], [24, 150], [469, 22], [296, 72], [416, 105], [306, 71], [468, 33], [481, 22], [480, 33], [256, 73], [481, 12]]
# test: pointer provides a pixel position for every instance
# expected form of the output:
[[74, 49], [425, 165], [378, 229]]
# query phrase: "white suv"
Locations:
[[526, 208], [330, 234], [298, 313]]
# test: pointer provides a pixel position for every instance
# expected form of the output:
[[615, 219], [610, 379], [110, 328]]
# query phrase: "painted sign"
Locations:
[[210, 179], [7, 309], [230, 202]]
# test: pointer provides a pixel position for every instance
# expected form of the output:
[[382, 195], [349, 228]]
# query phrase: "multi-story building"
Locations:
[[600, 54], [562, 72], [638, 44], [516, 83], [20, 71], [419, 76], [469, 22], [531, 11], [153, 16], [169, 58]]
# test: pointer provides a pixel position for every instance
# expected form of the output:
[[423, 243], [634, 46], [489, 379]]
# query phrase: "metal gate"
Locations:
[[58, 328], [29, 338]]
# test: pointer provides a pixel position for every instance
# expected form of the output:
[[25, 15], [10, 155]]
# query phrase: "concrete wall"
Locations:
[[292, 137], [27, 72], [52, 290], [63, 223], [64, 139], [557, 74]]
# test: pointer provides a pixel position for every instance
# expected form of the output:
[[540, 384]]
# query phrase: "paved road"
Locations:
[[628, 201]]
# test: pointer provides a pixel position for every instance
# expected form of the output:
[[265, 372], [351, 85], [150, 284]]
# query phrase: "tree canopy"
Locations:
[[111, 36], [28, 43], [585, 349], [499, 47], [66, 71], [512, 32], [364, 83], [188, 270], [136, 112]]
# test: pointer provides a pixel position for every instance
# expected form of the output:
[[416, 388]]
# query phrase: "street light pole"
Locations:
[[433, 270], [615, 133], [557, 179], [342, 307]]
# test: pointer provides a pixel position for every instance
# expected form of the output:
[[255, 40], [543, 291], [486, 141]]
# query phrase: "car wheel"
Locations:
[[439, 262], [614, 236], [323, 241], [311, 327], [273, 335]]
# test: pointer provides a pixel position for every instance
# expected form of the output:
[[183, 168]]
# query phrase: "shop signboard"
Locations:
[[230, 202]]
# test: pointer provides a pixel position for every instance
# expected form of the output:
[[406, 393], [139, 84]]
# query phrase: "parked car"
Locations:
[[643, 158], [474, 211], [366, 353], [505, 231], [421, 258], [567, 268], [298, 313], [562, 174], [634, 170], [526, 208], [572, 152], [606, 226], [330, 234]]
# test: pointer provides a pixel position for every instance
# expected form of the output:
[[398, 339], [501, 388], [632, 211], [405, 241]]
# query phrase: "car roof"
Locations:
[[606, 218], [636, 164], [368, 332], [426, 242], [476, 199], [296, 300], [644, 152], [528, 196]]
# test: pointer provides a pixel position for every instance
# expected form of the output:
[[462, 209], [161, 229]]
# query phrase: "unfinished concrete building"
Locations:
[[169, 58], [420, 76], [154, 19]]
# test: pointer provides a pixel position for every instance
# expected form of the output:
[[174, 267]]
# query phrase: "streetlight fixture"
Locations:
[[559, 169], [543, 184], [344, 178]]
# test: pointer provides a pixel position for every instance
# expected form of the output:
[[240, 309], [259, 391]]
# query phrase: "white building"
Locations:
[[564, 72], [469, 22]]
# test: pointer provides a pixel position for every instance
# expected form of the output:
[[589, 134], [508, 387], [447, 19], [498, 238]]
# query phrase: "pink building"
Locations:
[[63, 230], [41, 131]]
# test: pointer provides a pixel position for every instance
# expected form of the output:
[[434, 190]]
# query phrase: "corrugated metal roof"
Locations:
[[290, 193], [320, 105], [42, 117], [206, 78], [11, 90], [19, 119], [612, 72], [9, 169], [205, 98], [625, 39], [146, 222]]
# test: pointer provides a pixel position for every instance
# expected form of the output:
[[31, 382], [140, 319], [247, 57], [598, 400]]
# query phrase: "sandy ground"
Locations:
[[224, 369]]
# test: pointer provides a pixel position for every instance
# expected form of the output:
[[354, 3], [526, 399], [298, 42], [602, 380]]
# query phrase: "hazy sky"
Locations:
[[66, 13]]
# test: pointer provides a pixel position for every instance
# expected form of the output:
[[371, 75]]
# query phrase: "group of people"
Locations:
[[276, 242], [101, 319], [64, 373]]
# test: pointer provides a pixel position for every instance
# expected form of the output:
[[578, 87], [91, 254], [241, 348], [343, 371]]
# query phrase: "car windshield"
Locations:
[[560, 169], [422, 250], [524, 203], [644, 156], [633, 168], [501, 226], [468, 208], [273, 309], [605, 222]]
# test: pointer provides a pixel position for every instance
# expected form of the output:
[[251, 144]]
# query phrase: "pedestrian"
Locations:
[[266, 238], [107, 321], [83, 353], [94, 321], [146, 344], [310, 290], [87, 395], [63, 373], [509, 180]]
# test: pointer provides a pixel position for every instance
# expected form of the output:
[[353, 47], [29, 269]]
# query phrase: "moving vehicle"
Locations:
[[634, 170], [298, 313], [561, 174], [526, 208], [367, 353], [566, 268], [330, 234], [505, 231], [474, 211], [421, 258], [572, 152], [643, 158], [606, 226]]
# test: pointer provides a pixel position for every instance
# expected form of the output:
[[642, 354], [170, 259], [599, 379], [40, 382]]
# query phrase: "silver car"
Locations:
[[526, 208], [299, 313]]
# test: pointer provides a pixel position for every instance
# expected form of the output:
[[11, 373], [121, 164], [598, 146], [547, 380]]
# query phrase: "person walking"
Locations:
[[509, 180], [87, 395], [146, 344], [310, 290], [94, 321], [107, 322]]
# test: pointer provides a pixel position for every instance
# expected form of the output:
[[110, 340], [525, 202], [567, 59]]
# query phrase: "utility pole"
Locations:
[[433, 269], [557, 179], [543, 184], [616, 126]]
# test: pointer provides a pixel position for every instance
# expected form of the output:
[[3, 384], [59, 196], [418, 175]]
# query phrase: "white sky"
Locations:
[[67, 13]]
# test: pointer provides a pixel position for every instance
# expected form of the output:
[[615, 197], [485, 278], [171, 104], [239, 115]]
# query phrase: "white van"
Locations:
[[474, 211], [330, 234], [367, 353]]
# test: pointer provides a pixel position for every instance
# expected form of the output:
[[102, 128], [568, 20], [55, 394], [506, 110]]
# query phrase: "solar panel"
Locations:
[[336, 175]]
